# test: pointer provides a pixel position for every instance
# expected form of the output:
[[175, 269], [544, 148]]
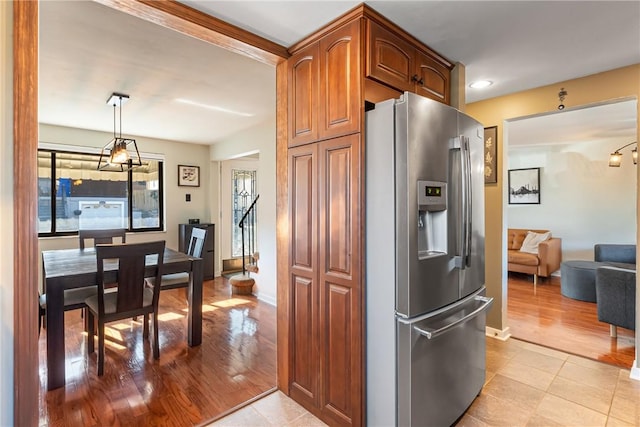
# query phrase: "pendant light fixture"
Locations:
[[615, 158], [561, 96], [120, 154]]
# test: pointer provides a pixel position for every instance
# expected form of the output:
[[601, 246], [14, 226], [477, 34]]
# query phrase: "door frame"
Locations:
[[166, 13]]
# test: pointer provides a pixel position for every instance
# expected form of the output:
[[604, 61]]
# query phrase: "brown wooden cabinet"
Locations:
[[325, 279], [303, 274], [394, 61], [359, 55], [340, 282], [340, 110], [434, 79], [303, 76], [322, 80]]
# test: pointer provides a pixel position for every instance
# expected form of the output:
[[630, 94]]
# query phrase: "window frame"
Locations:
[[53, 149]]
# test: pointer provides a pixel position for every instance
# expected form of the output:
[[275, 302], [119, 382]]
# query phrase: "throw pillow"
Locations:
[[531, 242]]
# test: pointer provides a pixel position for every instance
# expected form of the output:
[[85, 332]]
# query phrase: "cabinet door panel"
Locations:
[[303, 278], [340, 279], [337, 195], [304, 378], [302, 188], [338, 374], [434, 79], [340, 78], [303, 96], [389, 58]]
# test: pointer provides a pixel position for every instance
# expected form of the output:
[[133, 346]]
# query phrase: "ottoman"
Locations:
[[578, 279]]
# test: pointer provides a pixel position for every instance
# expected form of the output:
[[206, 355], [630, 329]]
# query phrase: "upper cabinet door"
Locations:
[[340, 81], [389, 58], [433, 78], [303, 96]]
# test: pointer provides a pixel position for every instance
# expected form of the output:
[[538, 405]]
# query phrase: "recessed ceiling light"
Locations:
[[481, 84], [213, 107]]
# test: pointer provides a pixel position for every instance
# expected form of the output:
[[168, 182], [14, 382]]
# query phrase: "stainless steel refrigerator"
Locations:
[[425, 303]]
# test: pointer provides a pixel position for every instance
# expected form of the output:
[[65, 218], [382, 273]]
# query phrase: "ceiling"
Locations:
[[87, 51], [607, 122]]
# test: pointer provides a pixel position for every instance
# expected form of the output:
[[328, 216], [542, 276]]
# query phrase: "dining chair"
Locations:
[[130, 295], [104, 236], [194, 249], [74, 298]]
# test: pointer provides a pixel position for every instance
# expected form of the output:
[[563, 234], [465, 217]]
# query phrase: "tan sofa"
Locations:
[[542, 264]]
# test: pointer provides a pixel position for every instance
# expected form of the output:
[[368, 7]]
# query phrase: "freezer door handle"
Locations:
[[461, 143], [465, 158], [431, 333]]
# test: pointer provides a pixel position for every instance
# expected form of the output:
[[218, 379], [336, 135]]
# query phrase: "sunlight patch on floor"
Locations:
[[232, 302], [112, 333], [120, 326], [165, 317]]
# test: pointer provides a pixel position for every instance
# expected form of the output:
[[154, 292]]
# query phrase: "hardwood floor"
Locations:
[[552, 320], [187, 385]]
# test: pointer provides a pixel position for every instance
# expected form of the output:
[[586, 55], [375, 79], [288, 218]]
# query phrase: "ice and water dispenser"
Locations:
[[432, 219]]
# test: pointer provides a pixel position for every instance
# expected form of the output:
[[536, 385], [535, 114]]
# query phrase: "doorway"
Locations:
[[584, 202], [25, 112]]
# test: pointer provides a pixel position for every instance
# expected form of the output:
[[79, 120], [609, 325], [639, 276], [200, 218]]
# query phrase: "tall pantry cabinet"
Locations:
[[329, 75], [324, 212]]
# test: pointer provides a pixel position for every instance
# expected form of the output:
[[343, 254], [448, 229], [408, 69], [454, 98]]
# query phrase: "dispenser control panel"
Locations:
[[432, 196]]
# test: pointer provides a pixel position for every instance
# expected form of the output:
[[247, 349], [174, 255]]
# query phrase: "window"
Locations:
[[74, 195], [244, 192]]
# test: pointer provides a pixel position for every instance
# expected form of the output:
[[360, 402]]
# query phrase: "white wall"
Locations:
[[262, 139], [583, 200], [6, 214], [176, 209]]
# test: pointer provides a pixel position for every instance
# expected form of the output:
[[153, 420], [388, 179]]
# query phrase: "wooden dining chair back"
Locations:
[[130, 296], [100, 237], [196, 242], [194, 249], [74, 298]]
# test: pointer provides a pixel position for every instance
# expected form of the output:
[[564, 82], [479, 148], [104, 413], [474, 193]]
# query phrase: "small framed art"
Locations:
[[490, 155], [524, 186], [188, 176]]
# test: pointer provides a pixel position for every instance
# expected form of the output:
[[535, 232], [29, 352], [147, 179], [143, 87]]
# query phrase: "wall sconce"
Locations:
[[615, 158], [120, 154], [561, 95]]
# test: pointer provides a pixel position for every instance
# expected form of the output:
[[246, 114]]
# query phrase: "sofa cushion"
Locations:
[[533, 239], [522, 258], [615, 252], [516, 236]]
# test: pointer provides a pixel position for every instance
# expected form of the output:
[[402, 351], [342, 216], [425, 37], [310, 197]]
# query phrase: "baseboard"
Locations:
[[635, 371], [267, 299], [498, 334]]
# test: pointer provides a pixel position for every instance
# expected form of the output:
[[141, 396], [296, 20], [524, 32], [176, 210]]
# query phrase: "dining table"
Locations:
[[73, 268]]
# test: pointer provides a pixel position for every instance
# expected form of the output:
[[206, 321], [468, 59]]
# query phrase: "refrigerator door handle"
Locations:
[[431, 334], [462, 143], [468, 197]]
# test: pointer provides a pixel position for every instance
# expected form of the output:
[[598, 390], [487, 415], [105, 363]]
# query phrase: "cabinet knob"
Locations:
[[414, 79]]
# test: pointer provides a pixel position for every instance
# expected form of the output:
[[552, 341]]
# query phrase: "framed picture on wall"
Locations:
[[491, 155], [524, 186], [188, 176]]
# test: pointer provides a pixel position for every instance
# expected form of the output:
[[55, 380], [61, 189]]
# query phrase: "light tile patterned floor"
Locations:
[[527, 385]]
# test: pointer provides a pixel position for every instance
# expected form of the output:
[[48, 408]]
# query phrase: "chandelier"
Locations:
[[119, 154]]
